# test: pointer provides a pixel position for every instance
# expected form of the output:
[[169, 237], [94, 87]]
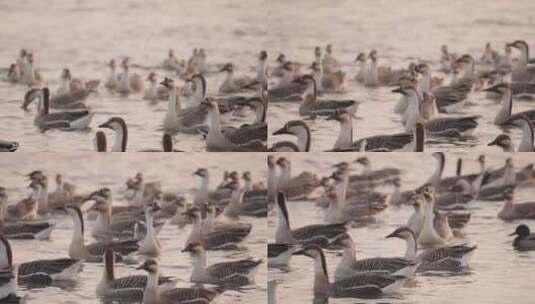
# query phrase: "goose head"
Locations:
[[201, 172], [361, 57], [262, 56], [403, 233], [150, 266], [281, 59], [373, 55], [229, 68], [152, 77], [521, 231], [503, 141], [194, 248], [168, 83], [293, 127]]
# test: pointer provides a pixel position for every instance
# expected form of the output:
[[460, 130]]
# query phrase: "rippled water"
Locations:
[[89, 172], [85, 35], [497, 273], [402, 32]]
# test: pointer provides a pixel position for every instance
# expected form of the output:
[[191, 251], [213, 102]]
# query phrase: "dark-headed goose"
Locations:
[[524, 240], [297, 128], [505, 113]]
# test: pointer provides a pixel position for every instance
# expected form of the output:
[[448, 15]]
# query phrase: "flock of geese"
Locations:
[[128, 234], [427, 107], [442, 207], [190, 109]]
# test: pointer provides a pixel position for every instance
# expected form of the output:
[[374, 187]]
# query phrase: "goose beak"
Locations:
[[391, 235], [280, 131], [511, 234]]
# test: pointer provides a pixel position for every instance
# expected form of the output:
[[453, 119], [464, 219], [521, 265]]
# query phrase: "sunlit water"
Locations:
[[401, 32], [497, 273], [85, 35], [175, 174]]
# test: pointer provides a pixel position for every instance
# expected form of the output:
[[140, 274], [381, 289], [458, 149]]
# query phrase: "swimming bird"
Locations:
[[349, 266], [232, 84], [448, 258], [520, 70], [129, 83], [297, 128], [112, 82], [401, 141], [526, 144], [311, 106], [286, 90], [8, 275], [524, 240], [428, 234], [44, 120], [155, 92], [8, 146], [39, 272], [70, 85], [322, 235], [358, 286], [446, 59], [235, 273], [277, 71], [172, 63], [380, 76], [93, 252], [332, 82], [245, 138], [515, 211], [150, 245], [295, 187], [187, 120], [118, 125], [505, 112], [31, 76], [237, 207], [230, 224]]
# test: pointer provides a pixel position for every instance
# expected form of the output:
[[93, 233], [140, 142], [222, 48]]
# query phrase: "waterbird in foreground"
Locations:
[[524, 240]]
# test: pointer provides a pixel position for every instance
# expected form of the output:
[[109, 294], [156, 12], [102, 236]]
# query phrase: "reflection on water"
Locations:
[[497, 273], [174, 172]]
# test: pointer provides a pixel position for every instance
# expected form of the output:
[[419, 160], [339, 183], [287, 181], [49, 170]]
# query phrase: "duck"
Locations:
[[515, 211], [94, 252], [349, 266], [153, 295], [311, 106], [154, 92], [112, 82], [328, 83], [232, 84], [279, 255], [73, 120], [118, 125], [39, 272], [245, 138], [236, 273], [401, 141], [297, 128], [111, 288], [22, 230], [129, 83], [524, 240], [526, 144], [447, 258], [8, 146], [358, 286], [187, 120], [505, 113], [321, 235], [227, 239]]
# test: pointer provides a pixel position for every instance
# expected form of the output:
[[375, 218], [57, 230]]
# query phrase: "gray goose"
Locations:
[[297, 128]]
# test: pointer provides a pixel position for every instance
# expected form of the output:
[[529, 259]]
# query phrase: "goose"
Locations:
[[322, 235], [153, 295], [524, 240], [442, 226], [93, 253], [279, 255], [201, 195], [210, 225], [232, 84], [505, 113], [39, 272], [520, 71], [329, 64], [31, 76], [21, 230], [237, 207], [401, 141], [526, 144], [417, 218], [154, 92], [447, 258], [129, 83], [150, 246], [235, 273], [187, 120], [26, 209], [369, 173], [8, 274], [171, 63], [444, 126], [349, 266], [490, 56], [69, 85], [286, 90], [428, 234], [217, 240], [13, 73], [330, 82], [515, 211], [44, 120], [493, 191], [277, 71], [297, 187], [358, 286], [469, 79], [118, 125], [245, 138], [361, 61], [448, 98], [8, 146], [311, 106], [110, 287], [380, 76], [112, 82], [297, 128], [446, 59]]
